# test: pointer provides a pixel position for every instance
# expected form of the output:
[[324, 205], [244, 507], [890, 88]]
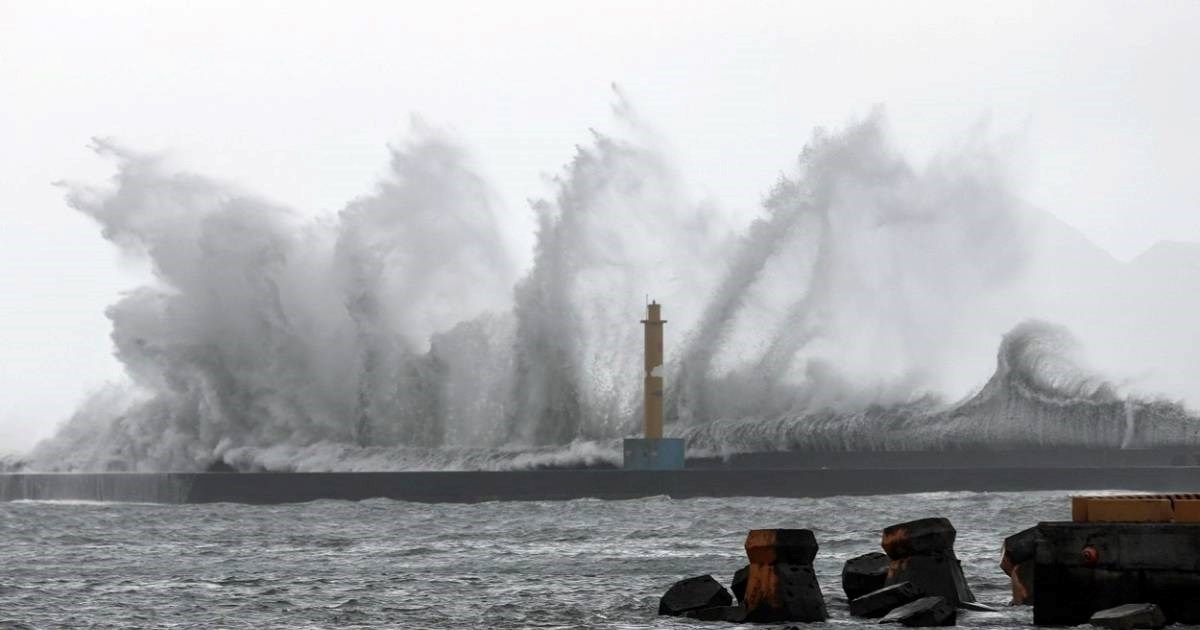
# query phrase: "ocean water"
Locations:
[[389, 564]]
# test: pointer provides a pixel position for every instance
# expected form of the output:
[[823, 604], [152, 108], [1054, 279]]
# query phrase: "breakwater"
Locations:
[[555, 485]]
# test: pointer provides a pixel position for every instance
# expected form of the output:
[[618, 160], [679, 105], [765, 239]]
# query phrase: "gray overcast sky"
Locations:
[[297, 101]]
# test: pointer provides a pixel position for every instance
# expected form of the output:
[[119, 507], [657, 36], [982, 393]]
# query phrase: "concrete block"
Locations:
[[1021, 546], [864, 574], [935, 574], [881, 602], [924, 612], [1069, 595], [1079, 506], [738, 584], [1018, 560], [1023, 580], [693, 593], [1187, 510], [784, 592], [1136, 508], [781, 584], [732, 614], [922, 552], [1129, 511], [792, 546], [927, 535], [1086, 567], [1121, 546], [1175, 592], [1129, 617]]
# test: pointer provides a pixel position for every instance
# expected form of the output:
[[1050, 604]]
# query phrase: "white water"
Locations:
[[399, 334]]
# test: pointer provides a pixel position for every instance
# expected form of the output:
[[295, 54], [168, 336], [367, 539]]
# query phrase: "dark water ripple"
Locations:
[[577, 564]]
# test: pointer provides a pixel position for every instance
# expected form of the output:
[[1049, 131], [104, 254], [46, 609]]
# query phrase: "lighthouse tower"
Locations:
[[653, 452]]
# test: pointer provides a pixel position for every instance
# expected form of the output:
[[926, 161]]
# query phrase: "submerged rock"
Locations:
[[884, 600], [924, 612], [864, 574], [694, 593], [1129, 617]]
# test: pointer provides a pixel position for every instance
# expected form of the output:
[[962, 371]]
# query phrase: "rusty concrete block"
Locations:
[[1018, 559], [790, 546], [1023, 579], [781, 585], [927, 535], [922, 552], [784, 592]]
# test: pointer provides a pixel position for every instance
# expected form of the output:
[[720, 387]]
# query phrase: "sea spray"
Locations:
[[262, 328], [418, 257], [396, 333], [860, 283], [1041, 394], [620, 228]]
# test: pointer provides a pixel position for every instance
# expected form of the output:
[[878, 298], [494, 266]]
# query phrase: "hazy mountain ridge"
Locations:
[[1135, 318]]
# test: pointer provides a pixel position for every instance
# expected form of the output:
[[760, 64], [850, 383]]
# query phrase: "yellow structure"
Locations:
[[654, 371], [654, 452], [1136, 508]]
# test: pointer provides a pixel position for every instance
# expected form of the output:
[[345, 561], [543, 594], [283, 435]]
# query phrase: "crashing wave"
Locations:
[[397, 333], [1039, 396]]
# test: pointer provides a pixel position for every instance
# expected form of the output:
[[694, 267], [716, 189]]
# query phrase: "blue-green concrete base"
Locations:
[[648, 454]]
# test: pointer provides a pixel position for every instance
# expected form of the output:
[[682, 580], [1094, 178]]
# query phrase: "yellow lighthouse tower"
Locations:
[[654, 452], [654, 371]]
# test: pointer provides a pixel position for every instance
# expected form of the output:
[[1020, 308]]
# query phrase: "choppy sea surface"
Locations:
[[389, 564]]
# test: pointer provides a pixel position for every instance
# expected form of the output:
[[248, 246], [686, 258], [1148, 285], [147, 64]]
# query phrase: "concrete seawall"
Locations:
[[555, 485], [1042, 457]]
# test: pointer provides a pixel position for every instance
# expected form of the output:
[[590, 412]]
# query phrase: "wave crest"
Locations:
[[395, 334]]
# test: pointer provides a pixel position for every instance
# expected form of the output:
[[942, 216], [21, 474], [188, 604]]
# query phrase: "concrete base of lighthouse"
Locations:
[[653, 454]]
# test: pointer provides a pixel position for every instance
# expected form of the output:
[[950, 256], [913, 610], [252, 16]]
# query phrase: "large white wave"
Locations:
[[1040, 395], [399, 334]]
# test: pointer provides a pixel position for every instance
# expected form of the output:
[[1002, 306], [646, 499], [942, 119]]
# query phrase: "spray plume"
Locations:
[[397, 334]]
